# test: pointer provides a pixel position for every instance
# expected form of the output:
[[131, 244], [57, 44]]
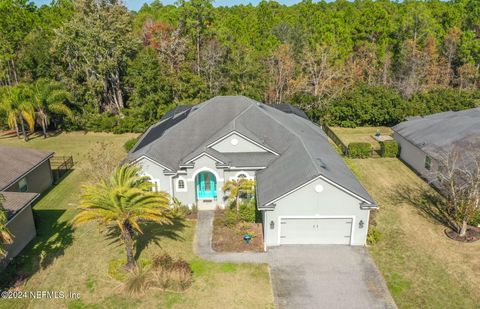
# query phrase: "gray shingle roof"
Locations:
[[303, 148], [15, 162], [16, 201], [439, 132]]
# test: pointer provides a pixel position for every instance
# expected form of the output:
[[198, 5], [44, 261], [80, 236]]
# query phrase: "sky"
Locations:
[[137, 4]]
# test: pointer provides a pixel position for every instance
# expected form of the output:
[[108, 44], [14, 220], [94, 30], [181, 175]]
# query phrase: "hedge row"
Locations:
[[359, 150], [389, 149]]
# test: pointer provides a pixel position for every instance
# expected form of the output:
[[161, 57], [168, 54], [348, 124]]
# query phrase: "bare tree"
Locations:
[[281, 71], [319, 70], [458, 179]]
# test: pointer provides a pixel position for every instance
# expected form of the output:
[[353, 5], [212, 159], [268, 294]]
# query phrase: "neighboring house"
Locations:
[[306, 193], [423, 140], [24, 174]]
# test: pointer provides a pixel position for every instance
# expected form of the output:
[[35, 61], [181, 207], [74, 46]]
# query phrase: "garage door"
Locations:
[[316, 231]]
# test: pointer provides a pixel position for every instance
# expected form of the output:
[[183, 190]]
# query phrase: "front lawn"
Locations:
[[423, 268], [63, 258]]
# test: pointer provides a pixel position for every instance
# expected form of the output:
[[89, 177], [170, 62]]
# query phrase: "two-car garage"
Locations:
[[315, 230]]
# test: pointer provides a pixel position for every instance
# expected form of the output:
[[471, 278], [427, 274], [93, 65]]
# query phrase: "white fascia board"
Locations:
[[242, 136], [235, 168], [205, 154], [151, 160]]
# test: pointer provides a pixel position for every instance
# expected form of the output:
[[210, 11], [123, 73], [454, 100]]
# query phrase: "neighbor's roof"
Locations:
[[304, 152], [439, 132], [15, 201], [16, 162]]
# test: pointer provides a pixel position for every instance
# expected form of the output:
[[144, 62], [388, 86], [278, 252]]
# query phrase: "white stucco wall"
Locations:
[[155, 172], [307, 202]]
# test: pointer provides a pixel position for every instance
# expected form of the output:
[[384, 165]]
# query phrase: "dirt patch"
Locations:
[[472, 235], [230, 238]]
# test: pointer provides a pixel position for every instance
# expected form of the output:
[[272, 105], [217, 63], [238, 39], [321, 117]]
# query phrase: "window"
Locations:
[[242, 176], [22, 185], [428, 162], [207, 182], [181, 184]]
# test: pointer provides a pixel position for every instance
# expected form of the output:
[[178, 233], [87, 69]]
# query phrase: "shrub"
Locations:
[[475, 220], [138, 281], [170, 274], [373, 235], [247, 211], [129, 144], [231, 217], [359, 150], [162, 261], [389, 149]]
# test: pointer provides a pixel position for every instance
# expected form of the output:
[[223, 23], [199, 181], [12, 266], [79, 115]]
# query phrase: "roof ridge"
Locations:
[[294, 133]]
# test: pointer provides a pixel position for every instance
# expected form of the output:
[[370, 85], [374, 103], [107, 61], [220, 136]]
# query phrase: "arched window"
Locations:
[[181, 184], [242, 176]]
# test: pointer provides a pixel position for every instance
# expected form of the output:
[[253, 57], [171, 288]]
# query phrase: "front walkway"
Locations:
[[309, 276]]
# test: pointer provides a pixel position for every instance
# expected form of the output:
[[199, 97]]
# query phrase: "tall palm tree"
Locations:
[[121, 203], [235, 188], [5, 236], [50, 98]]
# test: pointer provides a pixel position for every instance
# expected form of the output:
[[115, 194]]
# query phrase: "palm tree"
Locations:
[[121, 203], [8, 107], [49, 98], [16, 102], [5, 236], [236, 188]]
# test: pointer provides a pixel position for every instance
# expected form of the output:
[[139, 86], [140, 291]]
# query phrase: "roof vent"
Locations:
[[322, 164]]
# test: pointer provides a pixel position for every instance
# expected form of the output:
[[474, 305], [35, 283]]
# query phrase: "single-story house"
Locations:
[[423, 139], [24, 174], [304, 190]]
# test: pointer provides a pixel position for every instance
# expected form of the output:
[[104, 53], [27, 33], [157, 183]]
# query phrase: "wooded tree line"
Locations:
[[348, 63]]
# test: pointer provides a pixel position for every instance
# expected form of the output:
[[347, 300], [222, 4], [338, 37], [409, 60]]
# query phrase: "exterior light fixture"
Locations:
[[360, 224], [272, 225]]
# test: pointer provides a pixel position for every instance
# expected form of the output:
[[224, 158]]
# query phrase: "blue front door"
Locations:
[[206, 186]]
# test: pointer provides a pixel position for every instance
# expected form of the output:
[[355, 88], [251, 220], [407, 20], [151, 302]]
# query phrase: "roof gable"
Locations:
[[236, 142]]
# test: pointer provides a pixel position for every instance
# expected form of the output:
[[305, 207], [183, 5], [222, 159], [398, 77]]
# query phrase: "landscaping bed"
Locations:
[[228, 237], [472, 235]]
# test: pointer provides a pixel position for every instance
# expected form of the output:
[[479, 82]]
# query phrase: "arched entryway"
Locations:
[[206, 185]]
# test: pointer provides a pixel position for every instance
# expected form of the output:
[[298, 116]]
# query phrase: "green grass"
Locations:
[[422, 267], [77, 259], [361, 135]]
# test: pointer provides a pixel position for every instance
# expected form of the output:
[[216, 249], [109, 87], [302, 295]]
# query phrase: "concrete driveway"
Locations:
[[326, 277]]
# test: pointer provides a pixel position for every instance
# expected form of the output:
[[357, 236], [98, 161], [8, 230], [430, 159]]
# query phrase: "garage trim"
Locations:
[[279, 223]]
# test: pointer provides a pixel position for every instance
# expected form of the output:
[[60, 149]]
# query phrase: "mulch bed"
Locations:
[[472, 235], [230, 239]]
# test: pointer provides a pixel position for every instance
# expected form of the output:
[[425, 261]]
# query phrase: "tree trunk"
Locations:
[[44, 125], [127, 237], [25, 137], [16, 127], [237, 204], [463, 230]]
